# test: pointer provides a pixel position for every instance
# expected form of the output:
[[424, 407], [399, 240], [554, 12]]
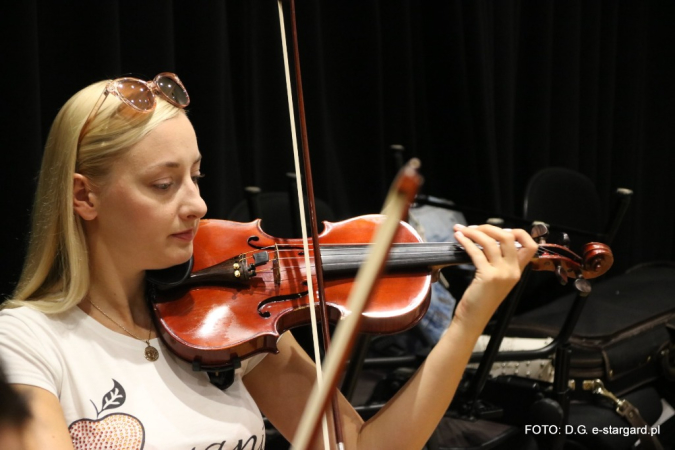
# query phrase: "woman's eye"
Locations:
[[196, 178], [163, 186]]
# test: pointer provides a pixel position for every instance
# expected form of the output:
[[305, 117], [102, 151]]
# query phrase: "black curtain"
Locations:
[[485, 93]]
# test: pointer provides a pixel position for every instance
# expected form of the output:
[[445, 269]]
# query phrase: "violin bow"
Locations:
[[323, 310], [396, 207]]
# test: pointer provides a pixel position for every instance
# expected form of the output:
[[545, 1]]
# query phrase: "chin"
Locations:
[[173, 260]]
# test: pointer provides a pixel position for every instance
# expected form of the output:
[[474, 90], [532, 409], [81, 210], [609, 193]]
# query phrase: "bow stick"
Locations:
[[323, 310], [396, 207]]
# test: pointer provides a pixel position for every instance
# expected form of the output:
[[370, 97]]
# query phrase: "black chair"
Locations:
[[587, 329], [278, 211], [565, 198], [568, 200]]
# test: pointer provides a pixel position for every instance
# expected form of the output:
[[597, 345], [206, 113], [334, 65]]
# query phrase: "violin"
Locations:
[[245, 287]]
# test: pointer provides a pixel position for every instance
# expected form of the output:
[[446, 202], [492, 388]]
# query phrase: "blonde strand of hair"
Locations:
[[56, 274]]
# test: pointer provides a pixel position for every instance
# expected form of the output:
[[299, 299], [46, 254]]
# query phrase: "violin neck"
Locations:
[[403, 256]]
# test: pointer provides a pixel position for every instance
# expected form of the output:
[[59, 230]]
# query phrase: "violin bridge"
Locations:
[[275, 267]]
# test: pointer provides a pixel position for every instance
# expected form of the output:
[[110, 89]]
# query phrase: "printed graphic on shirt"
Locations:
[[112, 431], [252, 443]]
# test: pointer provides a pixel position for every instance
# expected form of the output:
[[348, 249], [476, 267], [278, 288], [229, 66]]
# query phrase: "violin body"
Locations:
[[259, 290]]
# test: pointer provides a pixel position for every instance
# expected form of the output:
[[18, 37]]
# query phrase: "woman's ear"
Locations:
[[83, 197]]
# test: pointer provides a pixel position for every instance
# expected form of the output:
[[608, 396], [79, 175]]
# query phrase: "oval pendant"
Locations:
[[151, 353]]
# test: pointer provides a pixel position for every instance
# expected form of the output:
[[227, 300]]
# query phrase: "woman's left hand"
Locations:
[[499, 263]]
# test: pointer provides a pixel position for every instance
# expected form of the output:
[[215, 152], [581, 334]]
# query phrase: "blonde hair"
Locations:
[[55, 275]]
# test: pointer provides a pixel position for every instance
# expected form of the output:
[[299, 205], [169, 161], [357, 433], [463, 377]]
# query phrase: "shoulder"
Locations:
[[25, 329], [30, 344], [30, 319], [21, 317], [23, 311]]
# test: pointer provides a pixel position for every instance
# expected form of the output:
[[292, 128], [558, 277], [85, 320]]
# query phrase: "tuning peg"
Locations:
[[583, 286], [539, 232], [496, 221], [561, 274], [565, 240]]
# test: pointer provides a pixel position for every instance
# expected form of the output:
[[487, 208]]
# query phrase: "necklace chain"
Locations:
[[151, 353]]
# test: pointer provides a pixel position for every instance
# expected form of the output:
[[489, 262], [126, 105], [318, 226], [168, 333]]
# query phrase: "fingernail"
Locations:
[[473, 226], [459, 234]]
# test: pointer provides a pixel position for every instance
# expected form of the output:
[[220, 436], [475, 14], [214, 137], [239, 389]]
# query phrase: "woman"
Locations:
[[118, 195]]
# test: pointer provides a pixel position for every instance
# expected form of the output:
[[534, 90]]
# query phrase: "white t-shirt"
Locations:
[[111, 395]]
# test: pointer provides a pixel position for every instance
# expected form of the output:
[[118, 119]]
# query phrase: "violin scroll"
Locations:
[[558, 258], [597, 260]]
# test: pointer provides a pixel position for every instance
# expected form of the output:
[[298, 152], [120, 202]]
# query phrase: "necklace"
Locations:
[[151, 353]]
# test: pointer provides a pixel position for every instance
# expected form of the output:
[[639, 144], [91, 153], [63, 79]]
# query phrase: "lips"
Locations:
[[187, 235]]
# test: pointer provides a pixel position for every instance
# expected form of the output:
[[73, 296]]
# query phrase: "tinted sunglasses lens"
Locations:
[[135, 94], [173, 90]]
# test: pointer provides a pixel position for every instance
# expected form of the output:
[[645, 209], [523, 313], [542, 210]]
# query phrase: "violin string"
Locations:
[[540, 252], [284, 271], [292, 247], [457, 248], [301, 267]]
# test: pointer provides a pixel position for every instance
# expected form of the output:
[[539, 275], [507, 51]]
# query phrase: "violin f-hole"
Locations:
[[254, 239], [278, 299]]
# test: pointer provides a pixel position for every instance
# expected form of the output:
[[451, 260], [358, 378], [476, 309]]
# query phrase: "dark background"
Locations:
[[485, 93]]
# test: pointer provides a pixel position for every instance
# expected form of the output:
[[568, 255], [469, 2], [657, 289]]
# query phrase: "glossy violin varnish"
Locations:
[[247, 287]]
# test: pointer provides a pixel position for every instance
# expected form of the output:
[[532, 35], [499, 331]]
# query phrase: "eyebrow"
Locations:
[[174, 164]]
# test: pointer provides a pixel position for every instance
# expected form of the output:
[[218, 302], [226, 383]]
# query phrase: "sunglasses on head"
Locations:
[[140, 95]]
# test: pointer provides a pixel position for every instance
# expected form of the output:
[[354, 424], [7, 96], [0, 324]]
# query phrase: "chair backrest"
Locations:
[[564, 198], [278, 213]]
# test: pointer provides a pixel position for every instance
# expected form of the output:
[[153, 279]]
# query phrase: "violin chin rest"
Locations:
[[171, 276]]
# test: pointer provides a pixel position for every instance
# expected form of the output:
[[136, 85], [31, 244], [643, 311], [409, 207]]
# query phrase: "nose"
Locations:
[[193, 206]]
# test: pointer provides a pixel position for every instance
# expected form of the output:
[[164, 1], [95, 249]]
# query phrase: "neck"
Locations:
[[122, 298], [424, 255], [117, 287]]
